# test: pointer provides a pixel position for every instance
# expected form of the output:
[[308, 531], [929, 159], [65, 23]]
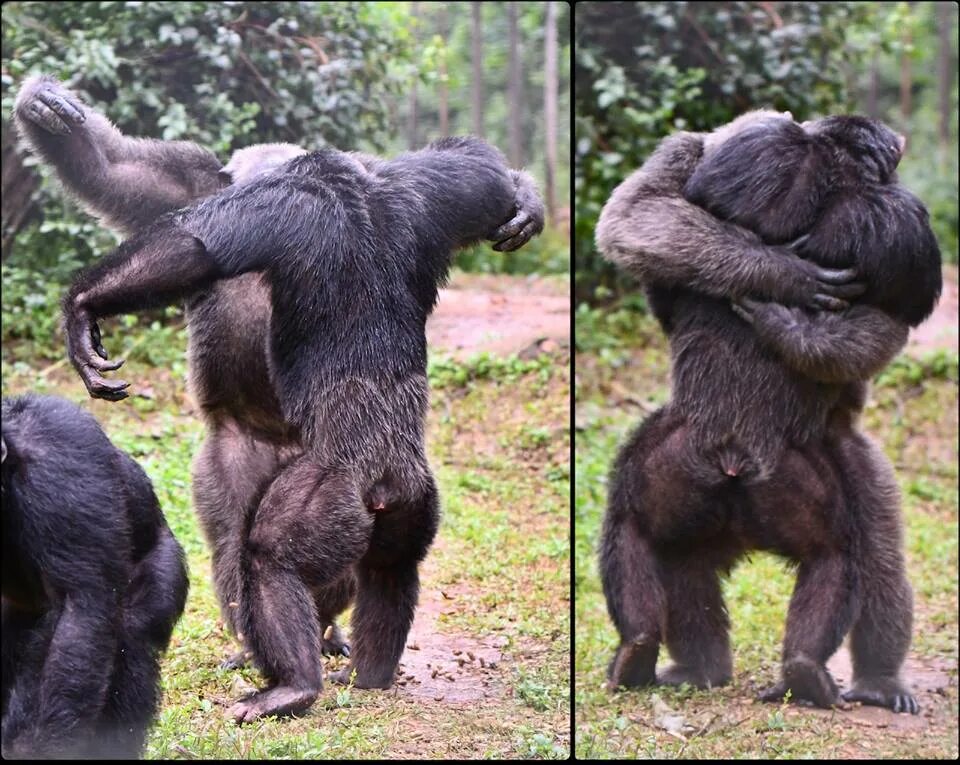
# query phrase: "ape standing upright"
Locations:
[[758, 447]]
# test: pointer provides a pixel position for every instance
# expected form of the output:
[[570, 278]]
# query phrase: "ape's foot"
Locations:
[[807, 680], [362, 679], [633, 664], [333, 643], [700, 678], [280, 701], [886, 692], [239, 660]]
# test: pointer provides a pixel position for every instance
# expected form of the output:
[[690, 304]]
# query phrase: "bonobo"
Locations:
[[758, 447], [353, 251], [93, 583]]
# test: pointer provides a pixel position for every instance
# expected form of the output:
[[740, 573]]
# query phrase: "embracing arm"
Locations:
[[129, 182], [850, 346], [652, 232]]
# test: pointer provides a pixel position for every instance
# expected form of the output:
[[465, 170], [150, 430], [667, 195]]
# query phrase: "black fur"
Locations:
[[93, 583], [758, 447], [129, 182], [833, 180], [353, 254]]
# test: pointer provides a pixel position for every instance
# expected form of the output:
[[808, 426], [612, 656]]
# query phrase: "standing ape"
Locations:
[[93, 582], [129, 182], [353, 254], [757, 448]]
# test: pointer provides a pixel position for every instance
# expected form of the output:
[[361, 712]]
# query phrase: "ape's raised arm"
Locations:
[[649, 229], [465, 188], [129, 182]]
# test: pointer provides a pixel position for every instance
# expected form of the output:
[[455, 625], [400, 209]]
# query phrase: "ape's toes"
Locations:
[[237, 661], [281, 701], [884, 693], [633, 664], [807, 680]]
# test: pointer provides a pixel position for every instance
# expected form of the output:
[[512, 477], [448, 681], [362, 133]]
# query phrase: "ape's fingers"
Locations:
[[46, 118], [68, 110], [524, 236], [509, 229], [847, 291], [829, 303], [99, 387], [741, 309], [836, 276], [105, 366]]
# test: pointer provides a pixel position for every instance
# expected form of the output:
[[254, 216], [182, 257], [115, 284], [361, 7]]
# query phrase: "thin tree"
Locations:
[[945, 17], [442, 71], [514, 92], [551, 86], [477, 36], [412, 124]]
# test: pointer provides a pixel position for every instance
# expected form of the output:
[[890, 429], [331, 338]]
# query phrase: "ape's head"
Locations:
[[248, 164], [867, 145]]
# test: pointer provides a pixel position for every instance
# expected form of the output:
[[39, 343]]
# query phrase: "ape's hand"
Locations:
[[89, 357], [47, 104], [528, 217], [832, 289]]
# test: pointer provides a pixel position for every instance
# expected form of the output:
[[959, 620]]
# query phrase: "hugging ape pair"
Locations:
[[309, 278], [752, 242]]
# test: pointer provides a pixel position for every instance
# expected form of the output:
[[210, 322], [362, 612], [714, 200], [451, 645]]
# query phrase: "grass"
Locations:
[[622, 370], [495, 599]]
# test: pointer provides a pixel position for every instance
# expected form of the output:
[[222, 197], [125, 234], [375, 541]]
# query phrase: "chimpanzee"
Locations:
[[93, 583], [758, 448], [129, 182]]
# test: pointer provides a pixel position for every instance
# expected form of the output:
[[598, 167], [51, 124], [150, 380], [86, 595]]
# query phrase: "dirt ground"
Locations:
[[501, 315]]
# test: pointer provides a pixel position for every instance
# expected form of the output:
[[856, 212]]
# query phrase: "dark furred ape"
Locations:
[[93, 583], [353, 253], [129, 182], [758, 447]]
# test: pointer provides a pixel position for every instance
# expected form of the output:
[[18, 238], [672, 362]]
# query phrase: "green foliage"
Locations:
[[548, 253], [447, 372]]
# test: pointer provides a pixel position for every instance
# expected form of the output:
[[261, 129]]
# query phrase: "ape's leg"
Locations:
[[801, 513], [387, 589], [697, 628], [658, 497], [55, 713], [331, 602], [230, 474], [153, 602], [310, 527], [881, 634]]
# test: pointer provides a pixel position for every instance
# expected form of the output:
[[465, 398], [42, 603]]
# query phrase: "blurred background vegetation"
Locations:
[[646, 69], [377, 77]]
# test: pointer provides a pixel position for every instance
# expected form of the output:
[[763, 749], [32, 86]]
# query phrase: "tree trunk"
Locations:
[[906, 80], [477, 35], [514, 94], [412, 124], [18, 186], [442, 66], [945, 16], [874, 87], [551, 86]]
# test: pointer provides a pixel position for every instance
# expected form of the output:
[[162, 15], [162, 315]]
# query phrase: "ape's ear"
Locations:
[[3, 450], [225, 178]]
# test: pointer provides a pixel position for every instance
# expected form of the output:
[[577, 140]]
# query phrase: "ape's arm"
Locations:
[[652, 232], [851, 346], [129, 182], [469, 193]]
